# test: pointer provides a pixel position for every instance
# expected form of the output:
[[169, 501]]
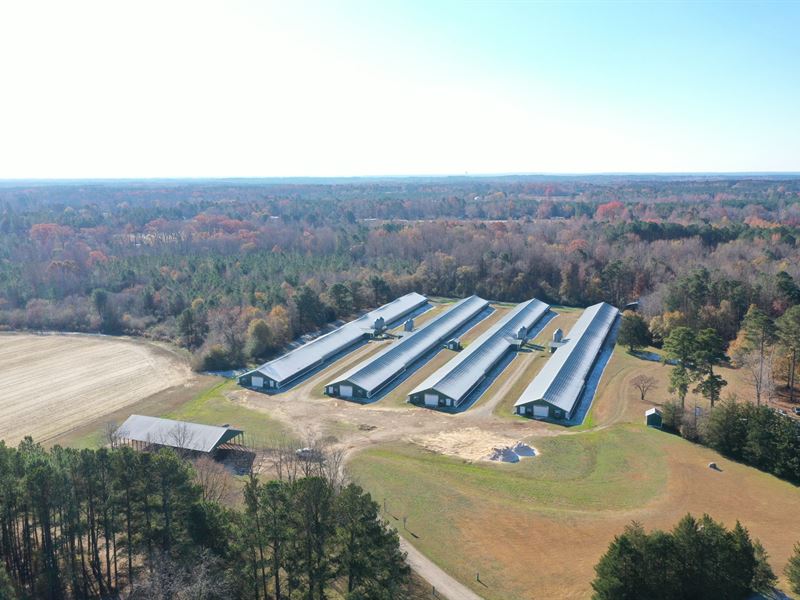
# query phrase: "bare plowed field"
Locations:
[[50, 384]]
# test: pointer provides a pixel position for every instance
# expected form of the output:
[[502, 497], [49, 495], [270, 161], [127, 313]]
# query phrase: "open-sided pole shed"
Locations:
[[145, 433]]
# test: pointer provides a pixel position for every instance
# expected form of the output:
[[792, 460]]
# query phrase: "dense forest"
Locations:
[[116, 523], [236, 270]]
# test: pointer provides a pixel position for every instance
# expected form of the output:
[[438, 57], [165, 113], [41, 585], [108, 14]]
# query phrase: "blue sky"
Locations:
[[219, 89]]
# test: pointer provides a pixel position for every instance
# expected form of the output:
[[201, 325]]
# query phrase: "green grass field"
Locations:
[[574, 472], [209, 407], [536, 529], [574, 475], [213, 408]]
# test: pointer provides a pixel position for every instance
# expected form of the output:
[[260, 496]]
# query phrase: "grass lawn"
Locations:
[[616, 400], [212, 407], [536, 529], [209, 406], [572, 476]]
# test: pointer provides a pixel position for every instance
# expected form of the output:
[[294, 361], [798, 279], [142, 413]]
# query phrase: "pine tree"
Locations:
[[633, 331], [789, 336], [793, 569], [680, 347]]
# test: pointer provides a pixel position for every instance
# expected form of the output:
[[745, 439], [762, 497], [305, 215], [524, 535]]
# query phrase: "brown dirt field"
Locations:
[[52, 384], [93, 432], [471, 443]]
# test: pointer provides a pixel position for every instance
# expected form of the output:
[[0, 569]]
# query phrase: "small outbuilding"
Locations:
[[557, 341], [453, 344], [652, 417]]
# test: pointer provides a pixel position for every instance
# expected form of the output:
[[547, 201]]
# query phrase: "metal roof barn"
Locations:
[[455, 380], [175, 434], [373, 374], [293, 364], [562, 379]]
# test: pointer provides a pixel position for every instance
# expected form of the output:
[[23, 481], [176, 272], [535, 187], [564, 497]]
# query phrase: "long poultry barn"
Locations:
[[449, 386], [371, 376], [555, 391], [277, 374]]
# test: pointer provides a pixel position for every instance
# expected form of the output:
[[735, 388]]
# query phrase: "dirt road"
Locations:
[[444, 585]]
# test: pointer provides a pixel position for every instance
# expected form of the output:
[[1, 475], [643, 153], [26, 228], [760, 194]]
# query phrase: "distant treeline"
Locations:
[[236, 271]]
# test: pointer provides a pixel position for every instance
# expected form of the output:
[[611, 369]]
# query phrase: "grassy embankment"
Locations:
[[536, 529], [459, 513]]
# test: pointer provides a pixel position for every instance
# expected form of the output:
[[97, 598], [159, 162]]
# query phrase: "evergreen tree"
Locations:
[[94, 524], [680, 347], [367, 550], [760, 333], [633, 331], [699, 558], [787, 288], [7, 591], [310, 309], [789, 335], [342, 298], [259, 338], [793, 569], [709, 352]]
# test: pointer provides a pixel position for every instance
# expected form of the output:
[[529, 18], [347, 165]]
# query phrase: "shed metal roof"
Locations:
[[459, 376], [562, 378], [320, 349], [176, 434], [374, 372]]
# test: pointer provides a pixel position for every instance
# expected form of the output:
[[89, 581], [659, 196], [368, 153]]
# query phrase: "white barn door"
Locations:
[[541, 412]]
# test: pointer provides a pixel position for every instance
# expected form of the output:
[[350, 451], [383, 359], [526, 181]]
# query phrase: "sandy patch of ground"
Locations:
[[50, 384], [475, 444]]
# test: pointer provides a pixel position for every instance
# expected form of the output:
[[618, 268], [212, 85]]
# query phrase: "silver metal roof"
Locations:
[[374, 372], [320, 349], [562, 378], [459, 376], [176, 434]]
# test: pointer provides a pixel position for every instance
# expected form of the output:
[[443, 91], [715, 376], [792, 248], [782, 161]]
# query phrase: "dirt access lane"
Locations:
[[444, 585]]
